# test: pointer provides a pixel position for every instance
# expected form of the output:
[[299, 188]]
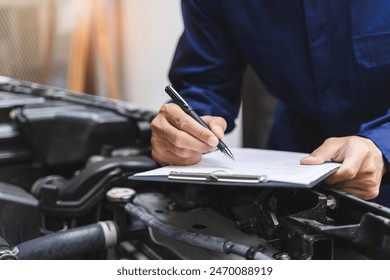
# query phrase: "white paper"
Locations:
[[278, 166]]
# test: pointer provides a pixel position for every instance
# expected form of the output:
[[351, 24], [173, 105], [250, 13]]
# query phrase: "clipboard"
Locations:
[[253, 167], [218, 177]]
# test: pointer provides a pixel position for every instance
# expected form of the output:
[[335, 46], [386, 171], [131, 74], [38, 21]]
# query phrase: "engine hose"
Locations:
[[208, 242], [70, 243], [6, 253]]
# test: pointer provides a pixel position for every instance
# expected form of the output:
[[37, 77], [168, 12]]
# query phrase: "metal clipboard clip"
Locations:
[[218, 176]]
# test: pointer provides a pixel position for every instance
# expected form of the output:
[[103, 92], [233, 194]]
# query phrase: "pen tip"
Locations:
[[228, 154]]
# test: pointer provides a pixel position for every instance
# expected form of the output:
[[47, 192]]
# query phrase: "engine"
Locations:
[[65, 193]]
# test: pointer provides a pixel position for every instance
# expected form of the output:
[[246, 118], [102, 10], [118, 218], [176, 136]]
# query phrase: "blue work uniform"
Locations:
[[327, 62]]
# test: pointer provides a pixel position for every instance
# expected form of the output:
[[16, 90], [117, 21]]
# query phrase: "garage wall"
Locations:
[[151, 31]]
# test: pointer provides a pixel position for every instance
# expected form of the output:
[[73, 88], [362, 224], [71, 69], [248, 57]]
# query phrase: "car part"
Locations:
[[65, 160]]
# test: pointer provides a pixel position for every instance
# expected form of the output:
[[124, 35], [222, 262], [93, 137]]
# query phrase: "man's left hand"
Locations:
[[362, 166]]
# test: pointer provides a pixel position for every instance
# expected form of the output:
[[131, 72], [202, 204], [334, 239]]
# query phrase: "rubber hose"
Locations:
[[5, 250], [70, 243], [212, 243]]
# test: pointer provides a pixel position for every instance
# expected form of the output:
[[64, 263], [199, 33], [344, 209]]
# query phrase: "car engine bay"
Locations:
[[65, 193]]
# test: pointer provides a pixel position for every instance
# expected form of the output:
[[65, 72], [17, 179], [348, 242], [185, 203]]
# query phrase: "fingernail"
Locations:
[[213, 141], [308, 157], [312, 160]]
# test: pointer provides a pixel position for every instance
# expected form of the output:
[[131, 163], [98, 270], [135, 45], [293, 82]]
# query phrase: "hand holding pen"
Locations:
[[191, 112], [180, 139]]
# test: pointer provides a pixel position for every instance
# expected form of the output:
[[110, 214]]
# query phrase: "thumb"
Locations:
[[323, 153]]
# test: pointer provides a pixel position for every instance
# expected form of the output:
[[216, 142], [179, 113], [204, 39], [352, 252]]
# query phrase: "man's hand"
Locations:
[[362, 165], [180, 140]]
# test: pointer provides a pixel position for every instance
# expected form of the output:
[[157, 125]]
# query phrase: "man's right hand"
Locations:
[[178, 139]]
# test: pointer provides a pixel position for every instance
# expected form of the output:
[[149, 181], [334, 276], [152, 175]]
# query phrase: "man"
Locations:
[[328, 63]]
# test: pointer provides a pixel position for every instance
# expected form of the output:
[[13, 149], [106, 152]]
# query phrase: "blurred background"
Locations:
[[120, 49]]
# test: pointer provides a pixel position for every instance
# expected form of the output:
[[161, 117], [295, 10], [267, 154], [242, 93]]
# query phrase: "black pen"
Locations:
[[178, 100]]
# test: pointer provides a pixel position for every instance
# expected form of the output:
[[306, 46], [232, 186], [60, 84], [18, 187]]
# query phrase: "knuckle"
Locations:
[[185, 153], [159, 157], [182, 123], [168, 112], [156, 120], [154, 125], [203, 134], [182, 160], [330, 140], [374, 193], [176, 140], [366, 152], [221, 121], [373, 181], [158, 134], [348, 174], [164, 109], [154, 141], [371, 193], [192, 160], [157, 143]]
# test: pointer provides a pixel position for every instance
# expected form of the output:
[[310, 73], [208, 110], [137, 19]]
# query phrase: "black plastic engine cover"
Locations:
[[63, 134], [19, 214], [46, 130]]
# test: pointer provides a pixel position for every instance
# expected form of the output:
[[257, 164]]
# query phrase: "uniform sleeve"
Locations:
[[207, 68], [378, 131]]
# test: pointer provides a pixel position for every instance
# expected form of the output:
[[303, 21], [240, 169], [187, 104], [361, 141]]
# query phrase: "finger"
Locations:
[[162, 144], [174, 160], [183, 122], [217, 125], [361, 193], [178, 142], [352, 164], [165, 157], [164, 152], [326, 151]]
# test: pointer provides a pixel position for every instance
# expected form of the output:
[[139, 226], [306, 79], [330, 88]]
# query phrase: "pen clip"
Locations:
[[177, 98]]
